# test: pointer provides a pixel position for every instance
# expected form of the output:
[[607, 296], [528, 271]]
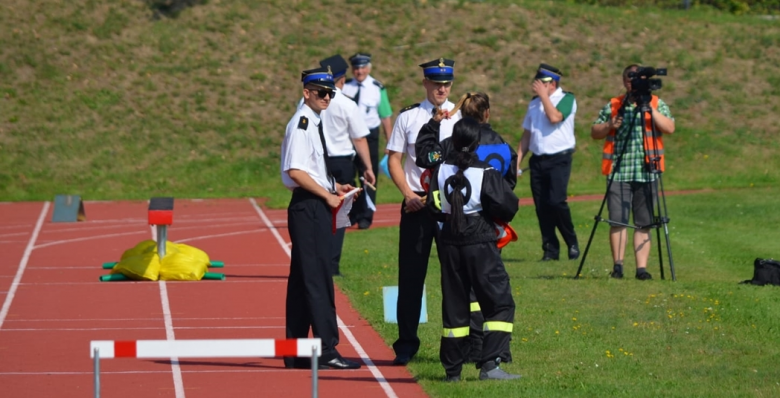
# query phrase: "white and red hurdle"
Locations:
[[233, 348]]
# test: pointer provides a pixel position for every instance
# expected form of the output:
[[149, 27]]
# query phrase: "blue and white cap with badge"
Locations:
[[547, 73], [360, 60], [321, 76], [439, 70], [337, 65]]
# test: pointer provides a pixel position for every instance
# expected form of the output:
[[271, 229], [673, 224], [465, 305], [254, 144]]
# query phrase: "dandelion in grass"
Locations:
[[366, 293]]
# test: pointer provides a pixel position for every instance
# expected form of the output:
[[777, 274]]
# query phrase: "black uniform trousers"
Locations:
[[417, 232], [549, 182], [343, 170], [478, 267], [360, 210], [310, 296]]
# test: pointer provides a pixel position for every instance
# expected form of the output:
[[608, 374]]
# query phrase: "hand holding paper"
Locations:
[[341, 212]]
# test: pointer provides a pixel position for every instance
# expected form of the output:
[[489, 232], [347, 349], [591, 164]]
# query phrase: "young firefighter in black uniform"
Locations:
[[470, 195], [492, 149], [306, 172]]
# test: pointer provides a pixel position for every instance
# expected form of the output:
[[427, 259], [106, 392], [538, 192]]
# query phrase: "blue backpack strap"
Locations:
[[497, 156]]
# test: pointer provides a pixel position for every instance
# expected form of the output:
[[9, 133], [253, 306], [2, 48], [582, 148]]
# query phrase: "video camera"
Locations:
[[642, 84]]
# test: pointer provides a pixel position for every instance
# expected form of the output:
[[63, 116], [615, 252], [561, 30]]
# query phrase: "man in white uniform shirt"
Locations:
[[305, 171], [345, 133], [418, 228], [548, 132], [371, 97]]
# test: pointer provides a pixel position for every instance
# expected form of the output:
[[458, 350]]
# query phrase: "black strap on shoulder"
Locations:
[[378, 84], [409, 107]]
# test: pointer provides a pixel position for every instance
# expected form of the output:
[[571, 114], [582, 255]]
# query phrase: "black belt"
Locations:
[[561, 153], [350, 157]]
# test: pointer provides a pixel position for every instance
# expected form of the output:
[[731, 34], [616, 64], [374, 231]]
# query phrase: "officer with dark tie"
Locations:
[[418, 228], [371, 97], [345, 135], [305, 171]]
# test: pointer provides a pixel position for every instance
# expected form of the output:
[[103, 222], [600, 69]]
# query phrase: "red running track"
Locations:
[[53, 306]]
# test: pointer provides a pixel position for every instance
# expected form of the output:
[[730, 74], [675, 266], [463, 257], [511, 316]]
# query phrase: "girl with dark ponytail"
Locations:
[[432, 149], [469, 194]]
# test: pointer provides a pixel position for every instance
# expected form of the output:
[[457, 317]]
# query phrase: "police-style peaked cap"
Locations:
[[547, 72], [322, 76], [439, 70], [337, 65], [360, 59]]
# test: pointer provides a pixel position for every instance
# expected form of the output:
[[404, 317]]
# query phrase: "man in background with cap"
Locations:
[[548, 132], [417, 228], [305, 169], [345, 133], [371, 97]]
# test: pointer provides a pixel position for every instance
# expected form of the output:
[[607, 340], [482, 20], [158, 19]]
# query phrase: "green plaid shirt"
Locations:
[[632, 166]]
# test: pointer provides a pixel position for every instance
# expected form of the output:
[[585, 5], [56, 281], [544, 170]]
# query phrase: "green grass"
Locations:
[[704, 335], [103, 100]]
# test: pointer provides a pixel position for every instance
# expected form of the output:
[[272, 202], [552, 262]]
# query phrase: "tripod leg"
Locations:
[[660, 251], [665, 221], [587, 247]]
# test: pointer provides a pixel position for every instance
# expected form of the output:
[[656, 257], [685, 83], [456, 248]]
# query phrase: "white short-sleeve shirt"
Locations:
[[407, 126], [370, 97], [302, 149], [548, 138]]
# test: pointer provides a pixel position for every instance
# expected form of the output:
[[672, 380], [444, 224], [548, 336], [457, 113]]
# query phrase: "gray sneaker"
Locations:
[[491, 371], [497, 374]]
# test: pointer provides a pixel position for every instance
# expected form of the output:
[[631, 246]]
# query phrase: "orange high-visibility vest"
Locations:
[[654, 147]]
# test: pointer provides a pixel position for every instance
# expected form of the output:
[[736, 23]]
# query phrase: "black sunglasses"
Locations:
[[322, 92]]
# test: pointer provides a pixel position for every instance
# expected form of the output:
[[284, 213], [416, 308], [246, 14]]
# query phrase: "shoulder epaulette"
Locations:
[[378, 84], [568, 92], [303, 124], [535, 97], [409, 107], [349, 80]]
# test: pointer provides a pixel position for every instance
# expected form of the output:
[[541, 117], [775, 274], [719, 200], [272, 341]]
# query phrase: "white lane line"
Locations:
[[178, 382], [249, 318], [378, 376], [95, 237], [270, 226], [139, 328], [125, 372], [251, 231], [94, 267], [249, 279], [22, 265]]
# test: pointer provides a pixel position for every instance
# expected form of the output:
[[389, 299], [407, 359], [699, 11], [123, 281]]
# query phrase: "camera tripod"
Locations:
[[656, 200]]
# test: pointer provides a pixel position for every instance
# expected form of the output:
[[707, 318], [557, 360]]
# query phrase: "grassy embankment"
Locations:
[[101, 100]]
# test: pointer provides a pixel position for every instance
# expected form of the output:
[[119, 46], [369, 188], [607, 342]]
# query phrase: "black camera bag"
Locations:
[[765, 272]]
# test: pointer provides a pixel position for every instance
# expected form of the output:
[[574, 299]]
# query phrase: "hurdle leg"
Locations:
[[162, 237], [97, 372], [314, 367]]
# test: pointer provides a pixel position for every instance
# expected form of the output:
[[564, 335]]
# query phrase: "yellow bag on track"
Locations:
[[141, 263], [183, 263]]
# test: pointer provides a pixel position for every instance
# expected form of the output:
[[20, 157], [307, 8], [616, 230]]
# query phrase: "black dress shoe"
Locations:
[[574, 252], [549, 257], [340, 363], [402, 359]]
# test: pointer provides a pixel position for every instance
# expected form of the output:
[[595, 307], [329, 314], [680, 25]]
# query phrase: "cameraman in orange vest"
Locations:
[[626, 157]]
